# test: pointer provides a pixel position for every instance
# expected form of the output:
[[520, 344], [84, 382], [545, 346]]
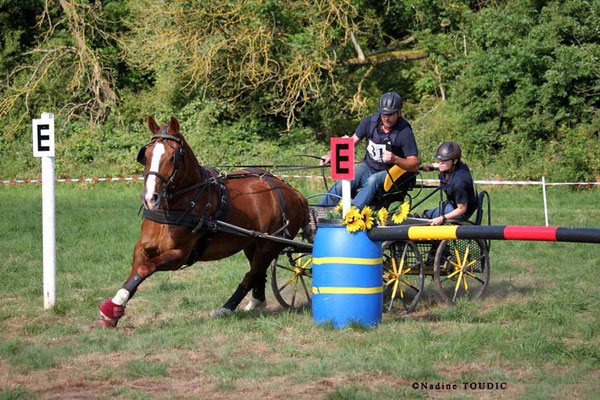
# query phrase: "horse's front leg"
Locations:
[[142, 267]]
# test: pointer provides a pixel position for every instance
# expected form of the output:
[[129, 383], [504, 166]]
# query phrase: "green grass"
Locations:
[[537, 328]]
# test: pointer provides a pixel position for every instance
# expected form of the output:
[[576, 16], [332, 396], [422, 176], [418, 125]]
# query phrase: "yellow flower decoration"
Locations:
[[339, 207], [401, 214], [354, 221], [382, 216], [367, 216]]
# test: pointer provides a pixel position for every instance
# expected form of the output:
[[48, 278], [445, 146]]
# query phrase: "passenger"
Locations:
[[390, 142], [456, 182]]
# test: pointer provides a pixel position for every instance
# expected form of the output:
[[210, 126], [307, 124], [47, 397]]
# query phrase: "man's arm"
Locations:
[[326, 159], [410, 163]]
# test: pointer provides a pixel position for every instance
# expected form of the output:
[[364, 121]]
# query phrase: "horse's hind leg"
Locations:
[[258, 298], [255, 278]]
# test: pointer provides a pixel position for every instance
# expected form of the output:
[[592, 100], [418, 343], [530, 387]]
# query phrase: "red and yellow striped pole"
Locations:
[[485, 232]]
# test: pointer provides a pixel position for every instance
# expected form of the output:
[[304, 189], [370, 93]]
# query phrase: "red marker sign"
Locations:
[[342, 159]]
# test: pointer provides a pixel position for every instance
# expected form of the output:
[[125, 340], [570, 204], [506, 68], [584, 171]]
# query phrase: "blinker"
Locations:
[[141, 157]]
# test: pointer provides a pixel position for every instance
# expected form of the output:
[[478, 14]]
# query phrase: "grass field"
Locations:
[[534, 335]]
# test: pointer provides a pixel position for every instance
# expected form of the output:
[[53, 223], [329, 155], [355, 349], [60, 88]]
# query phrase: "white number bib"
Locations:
[[376, 151]]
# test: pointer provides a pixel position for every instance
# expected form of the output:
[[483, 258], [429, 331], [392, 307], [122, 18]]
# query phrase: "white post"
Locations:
[[545, 200], [43, 146], [346, 197]]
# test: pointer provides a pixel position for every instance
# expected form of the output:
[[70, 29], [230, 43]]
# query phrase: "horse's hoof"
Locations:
[[221, 312], [255, 304], [103, 324]]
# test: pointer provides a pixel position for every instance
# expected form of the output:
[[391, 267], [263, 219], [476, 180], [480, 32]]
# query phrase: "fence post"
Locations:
[[43, 147], [545, 200]]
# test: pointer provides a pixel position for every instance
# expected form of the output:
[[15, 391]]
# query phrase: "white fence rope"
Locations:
[[141, 178]]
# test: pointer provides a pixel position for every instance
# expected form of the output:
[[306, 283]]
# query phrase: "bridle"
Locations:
[[177, 160]]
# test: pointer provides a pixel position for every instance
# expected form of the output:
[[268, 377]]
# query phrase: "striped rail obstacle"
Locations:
[[485, 232]]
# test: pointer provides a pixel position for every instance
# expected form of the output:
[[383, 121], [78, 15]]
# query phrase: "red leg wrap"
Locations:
[[111, 311]]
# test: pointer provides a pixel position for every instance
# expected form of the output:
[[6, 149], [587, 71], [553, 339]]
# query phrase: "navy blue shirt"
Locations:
[[401, 138], [459, 188]]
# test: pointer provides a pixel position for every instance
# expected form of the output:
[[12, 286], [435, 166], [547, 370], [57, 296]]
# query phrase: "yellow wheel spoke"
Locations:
[[285, 267], [464, 278], [305, 288], [454, 273], [410, 285], [287, 283], [401, 264], [473, 276], [306, 263], [390, 281], [292, 304], [457, 255], [458, 282], [394, 269], [394, 290]]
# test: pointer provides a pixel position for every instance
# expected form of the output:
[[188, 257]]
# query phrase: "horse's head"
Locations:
[[162, 158]]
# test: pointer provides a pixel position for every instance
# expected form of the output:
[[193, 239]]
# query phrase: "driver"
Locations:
[[456, 181], [390, 141]]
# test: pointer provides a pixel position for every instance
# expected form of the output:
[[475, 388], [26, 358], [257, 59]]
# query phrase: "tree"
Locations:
[[66, 61]]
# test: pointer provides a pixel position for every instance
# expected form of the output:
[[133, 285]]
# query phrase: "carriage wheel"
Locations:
[[461, 269], [291, 278], [403, 276]]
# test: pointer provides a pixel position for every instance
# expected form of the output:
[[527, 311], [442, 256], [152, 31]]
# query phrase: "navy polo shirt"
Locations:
[[401, 138], [459, 188]]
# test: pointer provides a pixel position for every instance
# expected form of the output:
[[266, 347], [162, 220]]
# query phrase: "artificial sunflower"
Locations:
[[354, 221], [401, 215], [339, 207], [382, 216], [367, 216]]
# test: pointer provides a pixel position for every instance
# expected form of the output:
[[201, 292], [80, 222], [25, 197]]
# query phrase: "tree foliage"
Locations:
[[517, 83]]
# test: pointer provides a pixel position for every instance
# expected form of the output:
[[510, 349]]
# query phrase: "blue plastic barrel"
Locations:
[[347, 277]]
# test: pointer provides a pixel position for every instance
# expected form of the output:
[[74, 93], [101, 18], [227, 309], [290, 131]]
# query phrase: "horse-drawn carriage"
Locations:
[[196, 214], [459, 268]]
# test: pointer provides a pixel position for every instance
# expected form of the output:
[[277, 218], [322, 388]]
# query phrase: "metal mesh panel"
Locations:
[[318, 212]]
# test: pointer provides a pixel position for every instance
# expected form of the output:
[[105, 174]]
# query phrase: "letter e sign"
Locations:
[[43, 136], [342, 159]]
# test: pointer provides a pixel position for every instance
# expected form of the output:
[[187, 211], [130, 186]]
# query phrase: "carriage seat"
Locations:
[[397, 193]]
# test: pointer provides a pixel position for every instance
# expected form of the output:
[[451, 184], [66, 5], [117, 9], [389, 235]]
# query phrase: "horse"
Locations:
[[192, 214]]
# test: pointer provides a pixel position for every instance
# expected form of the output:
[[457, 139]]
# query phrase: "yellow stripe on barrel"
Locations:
[[347, 290], [347, 260], [444, 232]]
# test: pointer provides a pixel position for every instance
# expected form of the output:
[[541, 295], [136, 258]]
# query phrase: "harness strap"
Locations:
[[172, 217]]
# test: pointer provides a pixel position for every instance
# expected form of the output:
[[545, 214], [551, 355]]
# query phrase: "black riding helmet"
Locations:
[[448, 151], [390, 102]]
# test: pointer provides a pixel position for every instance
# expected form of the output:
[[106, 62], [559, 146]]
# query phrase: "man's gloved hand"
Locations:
[[387, 157]]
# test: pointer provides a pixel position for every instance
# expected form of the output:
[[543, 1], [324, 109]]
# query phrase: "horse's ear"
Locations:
[[154, 128], [174, 126]]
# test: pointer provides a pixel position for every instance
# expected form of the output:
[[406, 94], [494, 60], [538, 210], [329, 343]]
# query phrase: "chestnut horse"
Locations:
[[185, 209]]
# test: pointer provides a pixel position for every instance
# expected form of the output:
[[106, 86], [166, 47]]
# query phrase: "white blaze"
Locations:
[[159, 150]]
